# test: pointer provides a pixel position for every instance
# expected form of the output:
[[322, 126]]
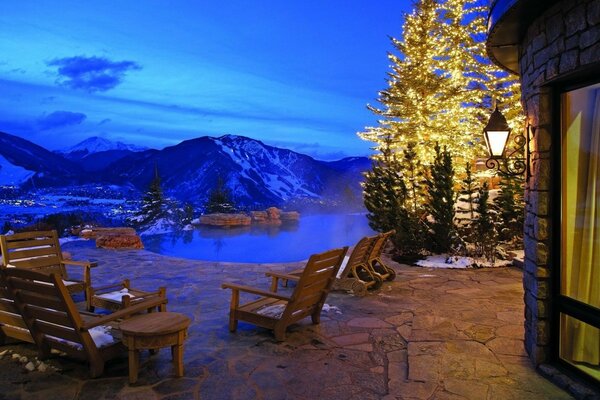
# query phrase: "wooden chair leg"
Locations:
[[233, 322], [96, 368], [279, 333], [316, 318]]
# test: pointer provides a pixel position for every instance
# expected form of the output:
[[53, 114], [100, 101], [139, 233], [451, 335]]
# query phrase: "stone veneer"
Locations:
[[562, 40]]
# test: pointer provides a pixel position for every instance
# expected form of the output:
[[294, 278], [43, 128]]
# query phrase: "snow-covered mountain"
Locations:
[[96, 144], [256, 174], [25, 163]]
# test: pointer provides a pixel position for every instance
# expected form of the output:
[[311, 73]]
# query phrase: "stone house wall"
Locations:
[[562, 40]]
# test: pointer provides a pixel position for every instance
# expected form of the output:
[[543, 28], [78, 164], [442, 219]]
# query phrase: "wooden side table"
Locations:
[[153, 331]]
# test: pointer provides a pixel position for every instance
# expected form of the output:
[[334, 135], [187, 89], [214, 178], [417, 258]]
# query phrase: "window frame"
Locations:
[[562, 304]]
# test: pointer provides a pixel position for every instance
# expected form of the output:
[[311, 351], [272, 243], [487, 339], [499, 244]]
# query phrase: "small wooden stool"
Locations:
[[153, 331]]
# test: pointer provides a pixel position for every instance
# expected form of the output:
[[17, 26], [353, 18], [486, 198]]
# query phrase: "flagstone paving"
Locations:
[[430, 334]]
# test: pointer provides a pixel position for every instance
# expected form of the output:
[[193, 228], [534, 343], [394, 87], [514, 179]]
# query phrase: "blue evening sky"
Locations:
[[295, 74]]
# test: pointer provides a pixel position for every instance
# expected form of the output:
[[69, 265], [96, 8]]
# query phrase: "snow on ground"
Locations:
[[446, 261], [160, 226], [64, 240]]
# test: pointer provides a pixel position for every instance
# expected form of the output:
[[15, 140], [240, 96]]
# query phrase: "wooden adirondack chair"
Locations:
[[41, 251], [355, 274], [377, 265], [276, 311], [49, 312]]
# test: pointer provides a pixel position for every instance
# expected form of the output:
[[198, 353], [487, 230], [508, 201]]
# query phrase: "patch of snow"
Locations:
[[188, 227], [11, 174], [116, 295], [64, 240], [274, 311], [445, 261], [160, 226], [327, 308]]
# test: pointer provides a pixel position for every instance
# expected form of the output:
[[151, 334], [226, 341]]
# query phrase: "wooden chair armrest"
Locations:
[[125, 312], [89, 264], [249, 289], [107, 288], [282, 275]]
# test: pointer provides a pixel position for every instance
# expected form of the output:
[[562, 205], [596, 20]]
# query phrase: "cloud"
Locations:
[[59, 119], [104, 121], [92, 74]]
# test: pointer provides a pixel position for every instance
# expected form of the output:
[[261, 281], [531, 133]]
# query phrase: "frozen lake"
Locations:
[[263, 244]]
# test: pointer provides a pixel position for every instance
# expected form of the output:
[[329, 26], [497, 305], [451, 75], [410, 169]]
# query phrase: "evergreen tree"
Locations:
[[468, 189], [485, 227], [220, 199], [153, 203], [384, 191], [510, 207], [187, 214], [442, 83], [441, 201]]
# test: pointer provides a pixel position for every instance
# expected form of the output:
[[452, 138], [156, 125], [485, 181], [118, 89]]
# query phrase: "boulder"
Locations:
[[225, 220], [114, 238], [273, 213], [259, 217], [119, 241], [289, 216]]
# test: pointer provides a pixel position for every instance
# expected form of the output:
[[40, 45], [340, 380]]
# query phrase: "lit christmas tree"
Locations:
[[442, 85]]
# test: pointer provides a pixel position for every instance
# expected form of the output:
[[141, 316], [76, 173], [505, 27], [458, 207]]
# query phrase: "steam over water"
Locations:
[[263, 244]]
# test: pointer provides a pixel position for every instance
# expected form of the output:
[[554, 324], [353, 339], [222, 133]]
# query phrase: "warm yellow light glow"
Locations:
[[496, 141]]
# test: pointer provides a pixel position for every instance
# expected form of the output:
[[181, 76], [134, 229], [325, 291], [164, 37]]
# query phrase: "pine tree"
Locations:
[[220, 199], [153, 203], [510, 207], [442, 83], [485, 227], [468, 189], [384, 191], [441, 201]]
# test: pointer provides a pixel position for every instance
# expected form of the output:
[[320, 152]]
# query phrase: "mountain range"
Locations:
[[256, 174]]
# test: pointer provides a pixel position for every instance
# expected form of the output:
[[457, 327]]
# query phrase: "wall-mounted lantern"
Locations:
[[507, 161]]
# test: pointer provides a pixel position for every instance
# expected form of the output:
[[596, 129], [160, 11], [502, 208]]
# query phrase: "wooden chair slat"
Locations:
[[49, 315], [75, 352], [58, 331], [41, 301], [52, 263], [20, 244], [45, 289], [17, 333], [41, 251], [8, 305], [28, 235], [12, 319]]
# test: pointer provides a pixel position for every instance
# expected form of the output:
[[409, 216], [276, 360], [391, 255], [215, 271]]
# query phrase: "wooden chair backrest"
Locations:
[[379, 244], [11, 322], [360, 254], [33, 250], [314, 284], [49, 312]]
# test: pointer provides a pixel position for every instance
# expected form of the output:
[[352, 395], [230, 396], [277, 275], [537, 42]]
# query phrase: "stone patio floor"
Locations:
[[430, 334]]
